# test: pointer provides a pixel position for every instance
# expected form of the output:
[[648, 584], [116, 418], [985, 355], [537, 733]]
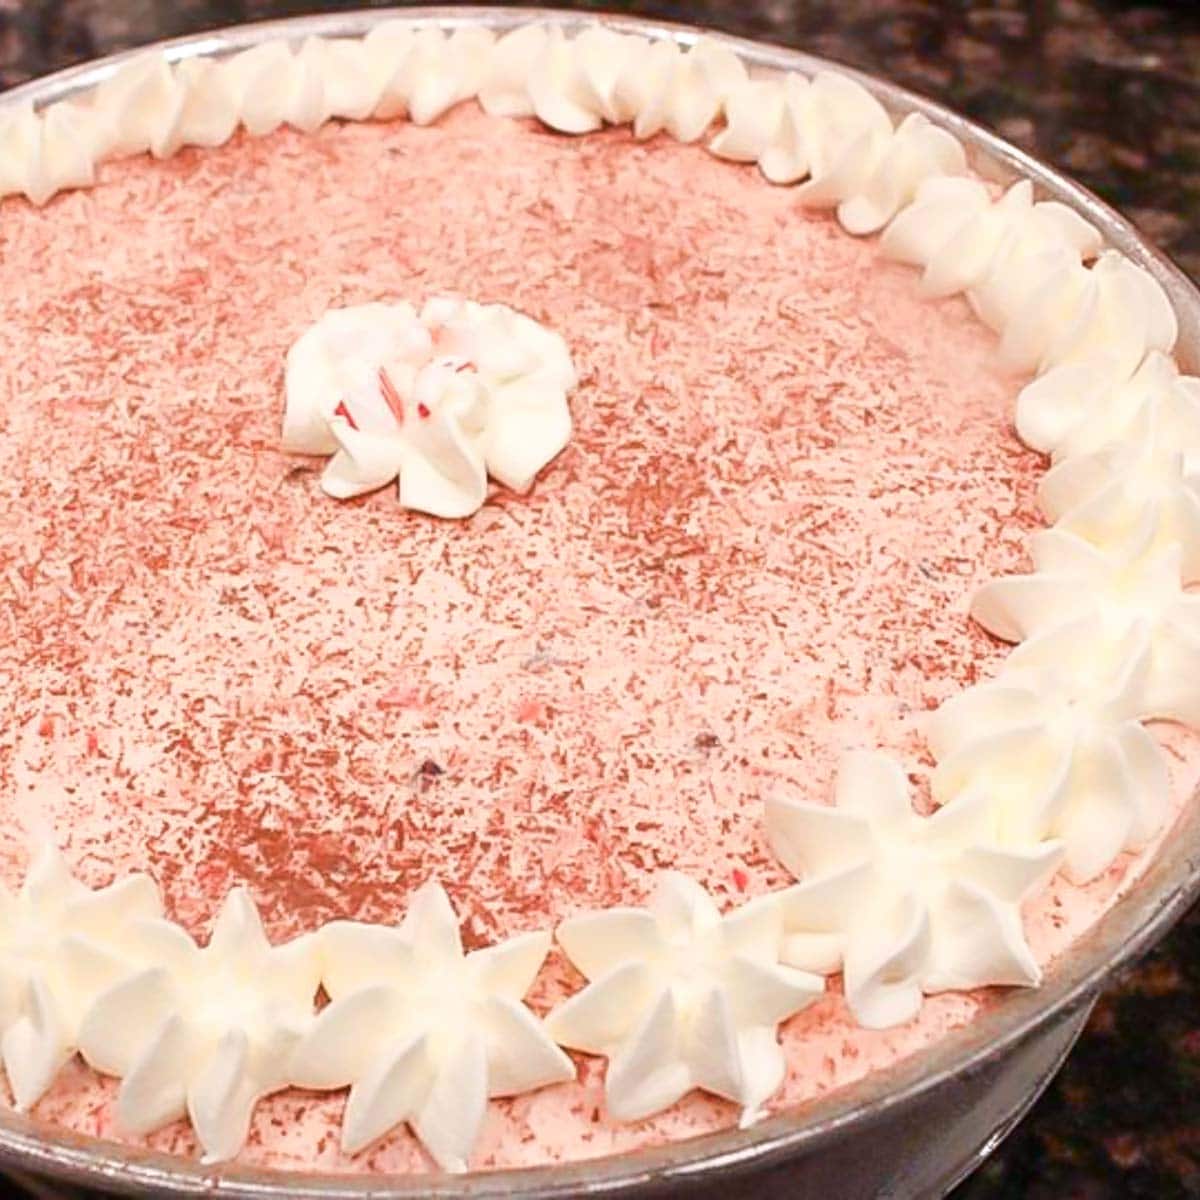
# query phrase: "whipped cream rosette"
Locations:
[[441, 400], [1131, 600], [1011, 255], [1056, 743], [62, 947], [422, 73], [1144, 489], [836, 133], [43, 154], [1081, 408], [903, 905], [423, 1033], [204, 1032], [681, 997], [576, 85]]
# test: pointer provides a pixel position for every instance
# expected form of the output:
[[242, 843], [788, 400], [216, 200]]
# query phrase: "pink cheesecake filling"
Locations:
[[787, 476]]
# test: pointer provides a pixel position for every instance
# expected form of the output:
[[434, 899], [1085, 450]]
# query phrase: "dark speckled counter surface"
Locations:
[[1110, 93]]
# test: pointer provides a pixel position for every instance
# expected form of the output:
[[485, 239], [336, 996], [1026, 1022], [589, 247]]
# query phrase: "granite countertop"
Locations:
[[1109, 92]]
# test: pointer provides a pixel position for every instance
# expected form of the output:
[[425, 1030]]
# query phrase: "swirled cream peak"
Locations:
[[1056, 745], [903, 905], [681, 997], [1010, 255], [1080, 408], [1133, 596], [569, 84], [393, 71], [423, 1033], [836, 135], [61, 946], [1089, 330], [440, 399], [575, 85], [147, 104], [43, 154], [1145, 488], [203, 1032], [1112, 313], [425, 72]]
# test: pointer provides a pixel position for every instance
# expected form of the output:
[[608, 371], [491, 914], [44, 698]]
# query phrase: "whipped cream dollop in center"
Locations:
[[439, 399]]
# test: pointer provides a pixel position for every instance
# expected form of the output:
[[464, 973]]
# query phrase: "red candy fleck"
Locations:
[[422, 411], [530, 712], [93, 743], [46, 726], [740, 879], [400, 697], [343, 411], [391, 396]]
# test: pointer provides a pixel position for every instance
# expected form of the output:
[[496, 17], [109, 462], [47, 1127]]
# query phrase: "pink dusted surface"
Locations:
[[787, 475]]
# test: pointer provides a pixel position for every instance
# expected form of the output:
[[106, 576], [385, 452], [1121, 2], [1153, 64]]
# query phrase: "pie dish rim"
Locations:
[[1161, 894]]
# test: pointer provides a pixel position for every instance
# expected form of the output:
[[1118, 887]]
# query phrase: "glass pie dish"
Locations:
[[910, 1130]]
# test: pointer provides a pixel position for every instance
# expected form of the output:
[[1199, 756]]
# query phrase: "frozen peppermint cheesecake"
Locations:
[[512, 550]]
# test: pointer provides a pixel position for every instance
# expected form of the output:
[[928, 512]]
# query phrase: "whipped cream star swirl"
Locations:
[[61, 946], [954, 228], [207, 1032], [1144, 489], [681, 997], [903, 905], [1126, 601], [1056, 745], [442, 400], [834, 131], [423, 1033], [1111, 312], [43, 154], [1003, 253], [1022, 266], [1080, 408]]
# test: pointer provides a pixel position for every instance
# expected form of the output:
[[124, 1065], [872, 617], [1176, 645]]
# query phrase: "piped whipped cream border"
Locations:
[[1046, 767]]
